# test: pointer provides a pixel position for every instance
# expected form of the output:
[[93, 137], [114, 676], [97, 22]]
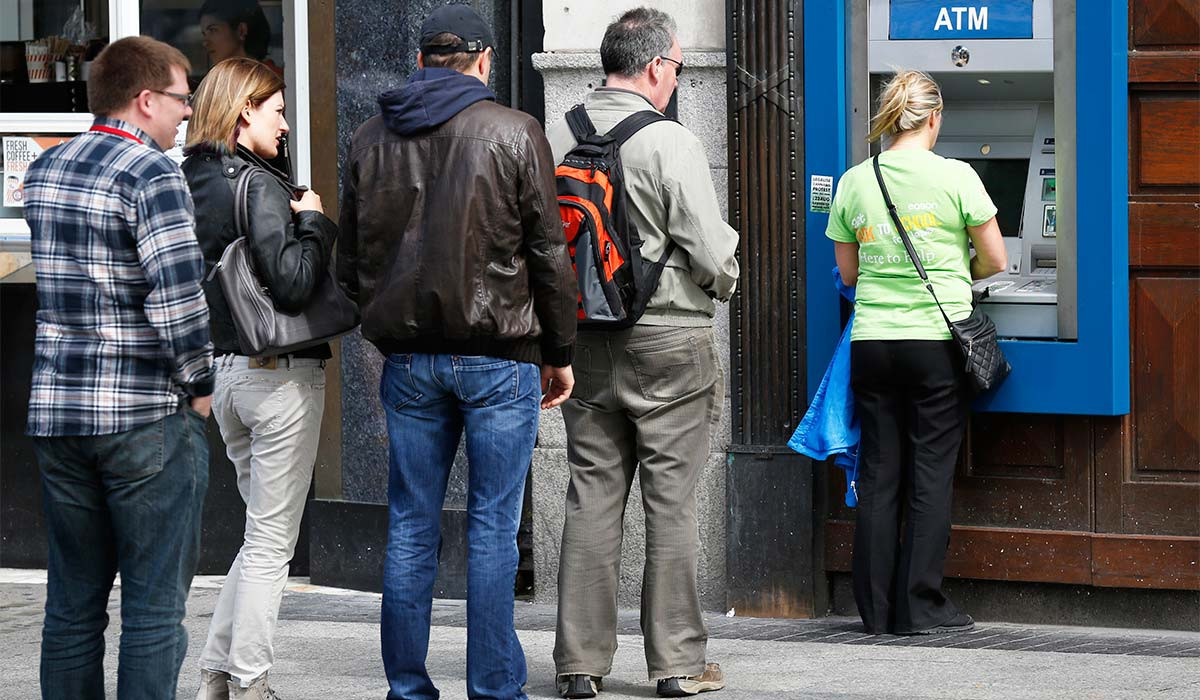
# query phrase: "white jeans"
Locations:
[[271, 422]]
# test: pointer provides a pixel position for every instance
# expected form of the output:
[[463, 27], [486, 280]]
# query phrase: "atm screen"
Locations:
[[1004, 180]]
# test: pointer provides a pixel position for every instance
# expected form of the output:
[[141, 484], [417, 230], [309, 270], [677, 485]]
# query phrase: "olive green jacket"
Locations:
[[671, 194]]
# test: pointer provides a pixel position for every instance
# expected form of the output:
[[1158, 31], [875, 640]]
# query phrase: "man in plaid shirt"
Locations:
[[122, 378]]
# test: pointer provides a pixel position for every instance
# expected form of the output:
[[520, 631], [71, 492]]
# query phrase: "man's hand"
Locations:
[[557, 383], [202, 405]]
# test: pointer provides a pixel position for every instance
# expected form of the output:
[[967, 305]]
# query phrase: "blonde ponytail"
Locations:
[[908, 101]]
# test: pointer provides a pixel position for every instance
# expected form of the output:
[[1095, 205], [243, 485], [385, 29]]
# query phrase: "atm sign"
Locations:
[[946, 19]]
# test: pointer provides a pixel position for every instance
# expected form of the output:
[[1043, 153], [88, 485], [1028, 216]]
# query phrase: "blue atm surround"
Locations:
[[1090, 376]]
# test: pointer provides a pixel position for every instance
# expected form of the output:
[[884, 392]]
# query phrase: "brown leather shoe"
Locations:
[[683, 686]]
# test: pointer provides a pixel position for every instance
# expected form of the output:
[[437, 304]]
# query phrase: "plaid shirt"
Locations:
[[122, 325]]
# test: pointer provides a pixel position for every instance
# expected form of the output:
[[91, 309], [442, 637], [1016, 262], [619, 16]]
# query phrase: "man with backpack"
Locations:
[[452, 246], [651, 254]]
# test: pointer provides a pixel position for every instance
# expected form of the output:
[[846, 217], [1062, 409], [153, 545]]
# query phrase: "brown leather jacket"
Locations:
[[451, 240]]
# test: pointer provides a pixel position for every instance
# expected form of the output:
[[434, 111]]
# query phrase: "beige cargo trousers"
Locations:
[[646, 399]]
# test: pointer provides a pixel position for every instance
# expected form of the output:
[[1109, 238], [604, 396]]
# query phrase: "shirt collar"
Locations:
[[619, 98], [128, 128]]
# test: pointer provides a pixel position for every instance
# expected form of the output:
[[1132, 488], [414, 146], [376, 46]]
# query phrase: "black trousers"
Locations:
[[912, 405]]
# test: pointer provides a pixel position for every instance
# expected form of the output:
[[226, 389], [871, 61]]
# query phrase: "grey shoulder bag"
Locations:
[[975, 335], [261, 328]]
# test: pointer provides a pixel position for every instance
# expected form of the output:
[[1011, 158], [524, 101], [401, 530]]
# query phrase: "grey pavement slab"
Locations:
[[327, 646]]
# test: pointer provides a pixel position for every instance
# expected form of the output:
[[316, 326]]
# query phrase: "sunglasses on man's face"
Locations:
[[678, 65]]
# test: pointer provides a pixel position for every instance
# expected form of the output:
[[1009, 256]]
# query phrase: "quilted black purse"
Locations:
[[975, 335]]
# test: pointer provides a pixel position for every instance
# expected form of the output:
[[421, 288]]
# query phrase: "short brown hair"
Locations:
[[217, 106], [460, 61], [126, 67]]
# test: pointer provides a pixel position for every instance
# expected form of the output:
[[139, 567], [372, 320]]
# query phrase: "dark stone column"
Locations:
[[377, 44]]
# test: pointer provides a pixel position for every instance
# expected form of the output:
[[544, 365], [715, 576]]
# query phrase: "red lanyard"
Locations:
[[115, 132]]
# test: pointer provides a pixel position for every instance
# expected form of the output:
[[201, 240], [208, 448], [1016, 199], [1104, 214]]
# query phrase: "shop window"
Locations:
[[45, 51]]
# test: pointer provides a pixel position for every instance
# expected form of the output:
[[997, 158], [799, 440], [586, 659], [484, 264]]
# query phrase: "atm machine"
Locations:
[[1036, 100], [995, 63]]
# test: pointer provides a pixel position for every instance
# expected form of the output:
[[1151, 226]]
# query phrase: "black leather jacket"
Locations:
[[291, 251], [451, 239]]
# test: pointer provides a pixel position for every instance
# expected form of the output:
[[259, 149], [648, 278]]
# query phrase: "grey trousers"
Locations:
[[271, 422], [649, 398]]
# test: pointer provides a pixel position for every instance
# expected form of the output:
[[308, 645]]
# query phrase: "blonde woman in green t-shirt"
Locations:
[[905, 371]]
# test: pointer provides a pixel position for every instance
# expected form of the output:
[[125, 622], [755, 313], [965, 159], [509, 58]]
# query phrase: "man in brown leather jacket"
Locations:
[[452, 244]]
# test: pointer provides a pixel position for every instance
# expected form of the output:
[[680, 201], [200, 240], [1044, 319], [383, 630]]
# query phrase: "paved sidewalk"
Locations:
[[328, 647]]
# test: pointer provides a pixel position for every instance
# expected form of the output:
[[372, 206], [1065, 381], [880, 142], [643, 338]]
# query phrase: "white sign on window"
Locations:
[[19, 152]]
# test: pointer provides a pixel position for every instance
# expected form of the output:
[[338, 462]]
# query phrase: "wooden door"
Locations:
[[1148, 464]]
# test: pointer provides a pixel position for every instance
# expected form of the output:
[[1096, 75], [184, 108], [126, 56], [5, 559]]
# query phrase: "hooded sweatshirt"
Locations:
[[431, 97]]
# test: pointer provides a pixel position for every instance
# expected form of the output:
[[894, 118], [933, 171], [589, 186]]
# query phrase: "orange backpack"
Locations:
[[615, 284]]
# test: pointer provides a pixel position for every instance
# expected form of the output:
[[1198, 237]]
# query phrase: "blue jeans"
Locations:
[[429, 400], [127, 502]]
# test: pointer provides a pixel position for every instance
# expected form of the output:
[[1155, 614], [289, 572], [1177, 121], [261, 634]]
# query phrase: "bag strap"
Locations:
[[582, 127], [241, 196], [241, 212], [580, 123], [627, 127], [622, 132], [912, 253], [241, 218]]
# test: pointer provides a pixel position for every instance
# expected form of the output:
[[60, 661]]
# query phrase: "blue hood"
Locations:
[[431, 98]]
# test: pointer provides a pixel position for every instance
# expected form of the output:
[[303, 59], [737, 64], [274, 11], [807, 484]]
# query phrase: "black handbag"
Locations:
[[975, 335], [261, 328]]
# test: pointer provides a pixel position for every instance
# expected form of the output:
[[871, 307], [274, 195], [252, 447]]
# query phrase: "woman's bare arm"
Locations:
[[990, 254], [846, 255]]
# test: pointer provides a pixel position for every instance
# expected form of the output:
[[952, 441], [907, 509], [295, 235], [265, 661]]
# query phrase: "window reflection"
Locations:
[[209, 31], [46, 47]]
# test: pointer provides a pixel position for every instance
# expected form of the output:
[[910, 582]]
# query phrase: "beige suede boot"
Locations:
[[213, 685], [258, 690]]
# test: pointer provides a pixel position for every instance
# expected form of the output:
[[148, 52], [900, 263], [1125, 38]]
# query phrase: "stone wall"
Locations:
[[574, 25], [569, 76]]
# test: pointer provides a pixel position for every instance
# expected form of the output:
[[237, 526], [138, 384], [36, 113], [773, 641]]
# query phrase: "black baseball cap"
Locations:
[[461, 21]]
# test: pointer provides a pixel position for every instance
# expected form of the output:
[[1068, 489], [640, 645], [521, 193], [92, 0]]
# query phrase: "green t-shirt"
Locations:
[[936, 198]]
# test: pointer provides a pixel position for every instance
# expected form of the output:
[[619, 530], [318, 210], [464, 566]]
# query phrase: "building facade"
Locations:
[[1078, 494]]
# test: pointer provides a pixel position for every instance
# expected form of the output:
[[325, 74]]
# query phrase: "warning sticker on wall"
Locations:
[[820, 194]]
